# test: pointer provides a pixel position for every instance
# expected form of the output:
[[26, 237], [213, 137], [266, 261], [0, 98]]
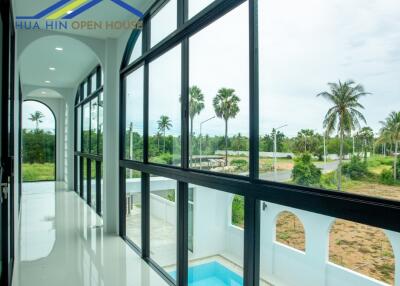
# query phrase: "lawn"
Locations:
[[38, 172]]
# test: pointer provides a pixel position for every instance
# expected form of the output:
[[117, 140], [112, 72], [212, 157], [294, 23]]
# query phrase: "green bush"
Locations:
[[241, 164], [356, 169], [386, 177], [304, 172], [377, 161], [238, 211]]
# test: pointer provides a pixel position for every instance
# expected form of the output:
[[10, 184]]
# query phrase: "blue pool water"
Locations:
[[212, 274]]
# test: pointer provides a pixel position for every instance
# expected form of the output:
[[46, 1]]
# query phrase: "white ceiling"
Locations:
[[44, 93], [71, 64], [104, 11]]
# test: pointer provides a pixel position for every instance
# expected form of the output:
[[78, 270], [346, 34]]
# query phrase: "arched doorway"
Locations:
[[38, 142]]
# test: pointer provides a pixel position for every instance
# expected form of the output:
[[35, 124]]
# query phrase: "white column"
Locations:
[[69, 155], [111, 139]]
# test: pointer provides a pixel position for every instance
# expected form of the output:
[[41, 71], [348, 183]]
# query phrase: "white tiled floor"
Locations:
[[62, 243]]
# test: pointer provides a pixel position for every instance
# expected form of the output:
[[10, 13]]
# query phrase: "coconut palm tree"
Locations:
[[226, 107], [164, 124], [344, 116], [390, 131], [196, 105], [36, 117], [366, 134]]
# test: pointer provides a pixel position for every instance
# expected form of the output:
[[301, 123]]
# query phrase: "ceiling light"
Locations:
[[47, 81], [59, 49], [52, 69]]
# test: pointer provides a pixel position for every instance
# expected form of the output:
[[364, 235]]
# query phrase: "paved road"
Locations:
[[284, 176]]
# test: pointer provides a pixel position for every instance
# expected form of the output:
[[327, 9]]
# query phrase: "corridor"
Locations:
[[62, 243]]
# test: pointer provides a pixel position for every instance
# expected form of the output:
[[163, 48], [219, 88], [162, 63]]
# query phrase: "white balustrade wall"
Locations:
[[281, 265]]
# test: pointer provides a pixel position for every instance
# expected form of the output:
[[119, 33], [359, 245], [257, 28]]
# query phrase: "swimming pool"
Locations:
[[212, 274]]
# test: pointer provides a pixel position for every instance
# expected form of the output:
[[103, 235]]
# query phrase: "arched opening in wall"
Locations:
[[290, 231], [237, 216], [38, 142], [362, 248]]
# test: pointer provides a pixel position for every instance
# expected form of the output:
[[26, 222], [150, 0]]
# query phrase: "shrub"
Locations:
[[240, 164], [238, 211], [304, 172], [356, 169], [386, 177], [163, 159]]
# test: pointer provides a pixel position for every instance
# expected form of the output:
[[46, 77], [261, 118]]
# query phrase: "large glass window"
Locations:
[[134, 116], [321, 71], [134, 206], [164, 22], [165, 108], [163, 231], [328, 95], [89, 137], [219, 96]]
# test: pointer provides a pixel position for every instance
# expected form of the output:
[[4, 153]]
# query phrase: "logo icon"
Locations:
[[68, 9]]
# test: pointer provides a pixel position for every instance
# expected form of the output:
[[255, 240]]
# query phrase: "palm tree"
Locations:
[[391, 131], [366, 134], [37, 118], [344, 116], [196, 105], [164, 124], [226, 106]]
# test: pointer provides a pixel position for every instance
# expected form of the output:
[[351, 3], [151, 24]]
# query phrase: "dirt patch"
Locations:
[[362, 248], [376, 190], [290, 231]]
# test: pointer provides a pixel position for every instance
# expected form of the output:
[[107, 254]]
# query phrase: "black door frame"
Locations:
[[7, 147]]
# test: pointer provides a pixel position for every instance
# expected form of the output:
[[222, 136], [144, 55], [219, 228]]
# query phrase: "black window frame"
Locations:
[[80, 155], [372, 211]]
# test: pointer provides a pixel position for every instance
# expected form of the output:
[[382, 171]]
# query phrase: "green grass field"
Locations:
[[38, 172]]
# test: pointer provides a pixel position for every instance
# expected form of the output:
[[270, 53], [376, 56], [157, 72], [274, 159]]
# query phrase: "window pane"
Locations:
[[298, 242], [85, 179], [134, 116], [86, 126], [85, 90], [93, 82], [195, 6], [93, 184], [78, 129], [101, 123], [137, 49], [163, 223], [101, 188], [134, 206], [78, 181], [165, 108], [319, 49], [164, 22], [93, 118], [219, 260], [219, 95]]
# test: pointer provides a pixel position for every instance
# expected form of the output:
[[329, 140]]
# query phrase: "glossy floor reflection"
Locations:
[[62, 243]]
